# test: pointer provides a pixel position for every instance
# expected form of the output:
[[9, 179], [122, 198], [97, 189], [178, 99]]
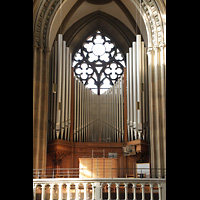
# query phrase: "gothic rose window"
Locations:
[[98, 63]]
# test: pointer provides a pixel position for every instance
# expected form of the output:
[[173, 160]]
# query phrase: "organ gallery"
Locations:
[[99, 89]]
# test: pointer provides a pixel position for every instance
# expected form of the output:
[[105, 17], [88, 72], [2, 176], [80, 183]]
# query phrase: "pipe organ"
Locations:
[[137, 91], [60, 91], [98, 118]]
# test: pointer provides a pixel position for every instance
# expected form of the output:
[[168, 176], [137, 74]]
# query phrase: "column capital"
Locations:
[[134, 185], [52, 184], [162, 44], [43, 185], [142, 185], [47, 50], [85, 184], [117, 185], [125, 185], [35, 45], [149, 50], [109, 184], [156, 48]]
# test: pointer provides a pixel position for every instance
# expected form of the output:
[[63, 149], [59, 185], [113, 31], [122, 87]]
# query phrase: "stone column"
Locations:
[[40, 105], [150, 54], [157, 108]]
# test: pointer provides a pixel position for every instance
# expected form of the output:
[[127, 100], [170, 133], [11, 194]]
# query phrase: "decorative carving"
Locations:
[[48, 9], [100, 61]]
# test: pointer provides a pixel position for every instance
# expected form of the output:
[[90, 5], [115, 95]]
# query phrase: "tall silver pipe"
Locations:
[[58, 115], [142, 92], [146, 93], [117, 108], [122, 108], [78, 110], [53, 94], [63, 89], [82, 103], [75, 107], [67, 92], [139, 113], [131, 94], [135, 129], [119, 111], [69, 83], [128, 92]]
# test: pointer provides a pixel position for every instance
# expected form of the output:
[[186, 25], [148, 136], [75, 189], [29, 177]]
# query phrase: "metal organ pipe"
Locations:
[[95, 117], [128, 95], [137, 91], [70, 90], [135, 126], [61, 91], [131, 89], [139, 84], [67, 90]]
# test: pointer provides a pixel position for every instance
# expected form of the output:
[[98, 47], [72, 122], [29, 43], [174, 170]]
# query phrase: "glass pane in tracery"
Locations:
[[98, 63]]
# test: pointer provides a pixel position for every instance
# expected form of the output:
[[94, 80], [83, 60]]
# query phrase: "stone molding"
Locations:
[[149, 8]]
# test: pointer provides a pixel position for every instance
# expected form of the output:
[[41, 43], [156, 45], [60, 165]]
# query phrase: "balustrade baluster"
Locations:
[[51, 191], [60, 191], [85, 190], [126, 190], [109, 191], [134, 190], [43, 191], [151, 191], [143, 194], [117, 187], [160, 191], [68, 191]]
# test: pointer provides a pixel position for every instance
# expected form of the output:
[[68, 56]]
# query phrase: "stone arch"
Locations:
[[151, 12]]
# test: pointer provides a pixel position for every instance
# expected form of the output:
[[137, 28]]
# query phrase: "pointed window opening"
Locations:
[[98, 63]]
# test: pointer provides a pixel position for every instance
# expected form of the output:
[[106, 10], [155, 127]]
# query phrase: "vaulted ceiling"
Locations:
[[77, 19]]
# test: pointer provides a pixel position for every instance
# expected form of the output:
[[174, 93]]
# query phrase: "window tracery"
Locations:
[[98, 63]]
